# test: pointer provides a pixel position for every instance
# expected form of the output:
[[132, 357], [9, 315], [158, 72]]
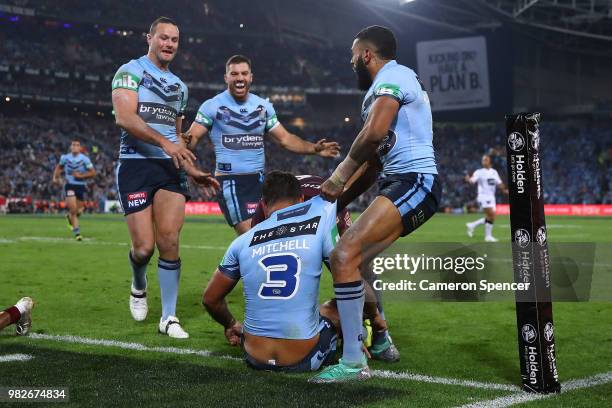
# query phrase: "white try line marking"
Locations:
[[91, 241], [570, 385], [14, 357], [209, 354]]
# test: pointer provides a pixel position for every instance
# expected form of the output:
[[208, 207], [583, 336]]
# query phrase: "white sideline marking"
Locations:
[[207, 353], [570, 385], [91, 241], [442, 380], [129, 346], [15, 357]]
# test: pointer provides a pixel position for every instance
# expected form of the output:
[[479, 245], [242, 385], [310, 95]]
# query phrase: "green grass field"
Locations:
[[107, 359]]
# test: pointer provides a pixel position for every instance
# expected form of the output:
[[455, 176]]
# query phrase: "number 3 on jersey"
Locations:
[[282, 276]]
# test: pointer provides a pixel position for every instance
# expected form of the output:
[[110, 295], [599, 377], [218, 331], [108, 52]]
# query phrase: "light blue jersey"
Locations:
[[237, 131], [408, 147], [162, 96], [72, 163], [280, 262]]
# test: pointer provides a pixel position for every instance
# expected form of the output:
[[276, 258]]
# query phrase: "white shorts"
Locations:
[[486, 202]]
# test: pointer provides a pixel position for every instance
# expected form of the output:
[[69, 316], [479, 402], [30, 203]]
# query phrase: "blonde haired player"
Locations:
[[487, 180]]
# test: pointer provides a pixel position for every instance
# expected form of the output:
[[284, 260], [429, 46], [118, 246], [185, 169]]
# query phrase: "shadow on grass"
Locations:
[[111, 380]]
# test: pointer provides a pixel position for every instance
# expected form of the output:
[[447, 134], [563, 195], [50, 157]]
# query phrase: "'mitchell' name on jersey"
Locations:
[[162, 96], [237, 131], [408, 147], [280, 262], [72, 163]]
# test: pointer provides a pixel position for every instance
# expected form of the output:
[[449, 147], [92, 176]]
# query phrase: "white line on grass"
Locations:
[[90, 241], [129, 346], [14, 357], [208, 354], [441, 380], [570, 385]]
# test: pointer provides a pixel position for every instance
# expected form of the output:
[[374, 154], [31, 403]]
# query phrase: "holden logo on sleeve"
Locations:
[[521, 237], [516, 141], [529, 333], [549, 332]]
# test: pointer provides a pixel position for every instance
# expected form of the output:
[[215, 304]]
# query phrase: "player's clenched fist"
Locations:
[[330, 190], [233, 333]]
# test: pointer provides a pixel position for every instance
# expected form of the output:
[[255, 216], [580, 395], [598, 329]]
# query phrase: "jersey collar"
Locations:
[[388, 65]]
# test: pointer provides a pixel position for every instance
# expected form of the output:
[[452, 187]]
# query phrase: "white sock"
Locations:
[[21, 307], [476, 223], [488, 229]]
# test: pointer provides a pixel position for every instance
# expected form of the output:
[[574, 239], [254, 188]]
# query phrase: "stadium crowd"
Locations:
[[576, 159]]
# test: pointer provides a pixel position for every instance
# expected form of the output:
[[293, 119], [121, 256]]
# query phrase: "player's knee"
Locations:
[[167, 242], [340, 259], [142, 253]]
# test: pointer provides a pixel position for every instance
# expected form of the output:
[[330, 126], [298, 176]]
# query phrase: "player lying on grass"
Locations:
[[398, 127], [237, 122], [382, 347], [77, 168], [280, 263], [20, 315], [487, 180]]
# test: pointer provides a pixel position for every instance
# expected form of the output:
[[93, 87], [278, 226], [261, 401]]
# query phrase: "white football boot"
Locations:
[[138, 304], [172, 328], [25, 305]]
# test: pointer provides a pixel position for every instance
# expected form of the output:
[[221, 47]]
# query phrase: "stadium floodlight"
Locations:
[[402, 2]]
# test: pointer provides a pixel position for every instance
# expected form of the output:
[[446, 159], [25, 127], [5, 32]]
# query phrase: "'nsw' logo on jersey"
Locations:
[[242, 141], [157, 113], [294, 229]]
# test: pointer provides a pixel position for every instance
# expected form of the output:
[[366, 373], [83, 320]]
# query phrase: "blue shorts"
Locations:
[[139, 179], [323, 353], [239, 196], [75, 190], [416, 196]]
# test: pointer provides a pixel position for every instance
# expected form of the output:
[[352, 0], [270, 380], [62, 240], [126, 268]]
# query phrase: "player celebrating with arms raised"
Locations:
[[238, 121], [149, 101], [77, 169], [487, 180], [398, 126]]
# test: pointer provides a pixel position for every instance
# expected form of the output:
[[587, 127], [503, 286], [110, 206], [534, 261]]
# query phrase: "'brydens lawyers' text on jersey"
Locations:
[[72, 163], [408, 146], [237, 131], [280, 263], [162, 96]]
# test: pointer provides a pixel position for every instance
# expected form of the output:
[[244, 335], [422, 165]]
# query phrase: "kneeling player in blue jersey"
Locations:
[[280, 262]]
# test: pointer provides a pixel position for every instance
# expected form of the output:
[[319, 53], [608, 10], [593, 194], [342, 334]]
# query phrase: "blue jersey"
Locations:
[[162, 97], [280, 262], [237, 131], [408, 147], [72, 163]]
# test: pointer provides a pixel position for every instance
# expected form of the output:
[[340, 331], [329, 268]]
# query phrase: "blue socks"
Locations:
[[350, 298], [139, 273], [168, 273]]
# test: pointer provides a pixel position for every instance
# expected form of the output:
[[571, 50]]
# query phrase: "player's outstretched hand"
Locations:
[[331, 191], [324, 148], [233, 333], [179, 154], [203, 179]]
